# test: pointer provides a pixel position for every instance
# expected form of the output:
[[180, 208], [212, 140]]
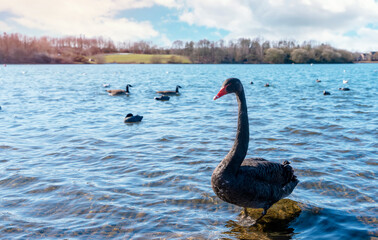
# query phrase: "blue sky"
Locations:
[[346, 24]]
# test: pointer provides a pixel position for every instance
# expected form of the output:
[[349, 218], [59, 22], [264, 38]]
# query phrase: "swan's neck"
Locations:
[[177, 89], [127, 88], [236, 155]]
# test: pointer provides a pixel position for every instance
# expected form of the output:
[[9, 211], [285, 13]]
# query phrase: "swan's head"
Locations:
[[231, 85], [129, 115]]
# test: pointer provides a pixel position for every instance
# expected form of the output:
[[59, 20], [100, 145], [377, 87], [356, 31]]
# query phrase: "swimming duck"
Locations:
[[130, 118], [162, 98], [344, 89]]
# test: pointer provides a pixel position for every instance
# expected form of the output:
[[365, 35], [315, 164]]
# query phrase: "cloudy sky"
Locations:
[[345, 24]]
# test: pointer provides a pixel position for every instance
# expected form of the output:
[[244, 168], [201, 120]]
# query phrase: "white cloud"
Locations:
[[319, 20], [4, 27], [89, 17]]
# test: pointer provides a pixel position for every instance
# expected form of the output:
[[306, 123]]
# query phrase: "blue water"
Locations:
[[71, 169]]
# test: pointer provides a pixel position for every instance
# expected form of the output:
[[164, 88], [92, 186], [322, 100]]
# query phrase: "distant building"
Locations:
[[370, 56]]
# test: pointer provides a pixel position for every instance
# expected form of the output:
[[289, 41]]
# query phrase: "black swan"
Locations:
[[252, 182], [266, 85], [317, 80], [326, 93], [162, 98], [119, 91], [130, 118], [170, 92]]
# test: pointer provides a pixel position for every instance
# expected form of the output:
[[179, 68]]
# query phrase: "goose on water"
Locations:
[[119, 91], [170, 92]]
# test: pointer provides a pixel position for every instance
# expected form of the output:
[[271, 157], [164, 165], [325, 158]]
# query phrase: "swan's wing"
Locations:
[[270, 172]]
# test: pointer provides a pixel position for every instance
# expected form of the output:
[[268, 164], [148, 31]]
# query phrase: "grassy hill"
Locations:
[[140, 58]]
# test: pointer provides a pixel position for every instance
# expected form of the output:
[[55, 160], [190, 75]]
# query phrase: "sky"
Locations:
[[344, 24]]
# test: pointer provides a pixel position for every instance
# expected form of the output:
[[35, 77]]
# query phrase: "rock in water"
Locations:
[[283, 210]]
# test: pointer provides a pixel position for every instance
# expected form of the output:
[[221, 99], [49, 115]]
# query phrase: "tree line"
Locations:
[[18, 48]]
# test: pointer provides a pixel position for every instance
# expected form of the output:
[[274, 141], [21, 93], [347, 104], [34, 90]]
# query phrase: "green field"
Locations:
[[141, 58]]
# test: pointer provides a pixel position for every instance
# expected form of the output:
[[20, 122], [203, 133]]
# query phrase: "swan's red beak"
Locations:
[[221, 92]]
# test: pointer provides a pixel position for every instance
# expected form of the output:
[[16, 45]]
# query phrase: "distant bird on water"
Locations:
[[119, 91], [344, 89], [162, 98], [345, 81], [105, 85], [266, 85], [251, 82], [170, 92], [326, 93], [252, 182], [317, 80], [130, 118]]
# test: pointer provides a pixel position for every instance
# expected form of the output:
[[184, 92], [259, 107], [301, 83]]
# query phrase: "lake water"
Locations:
[[71, 169]]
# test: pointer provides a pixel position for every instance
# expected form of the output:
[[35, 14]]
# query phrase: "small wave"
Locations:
[[16, 181], [330, 188], [44, 190], [302, 132], [8, 147]]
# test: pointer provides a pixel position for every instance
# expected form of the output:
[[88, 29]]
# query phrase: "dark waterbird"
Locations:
[[162, 98], [170, 92], [266, 85], [130, 118], [326, 93], [119, 91], [344, 89], [317, 80], [252, 182]]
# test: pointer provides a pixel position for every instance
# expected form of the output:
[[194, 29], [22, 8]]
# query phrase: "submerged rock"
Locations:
[[283, 210]]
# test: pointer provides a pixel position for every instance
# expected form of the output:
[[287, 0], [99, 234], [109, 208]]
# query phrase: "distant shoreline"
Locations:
[[366, 62], [130, 63], [132, 58]]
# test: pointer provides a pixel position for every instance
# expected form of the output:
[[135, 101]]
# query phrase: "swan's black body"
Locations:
[[254, 182], [170, 92], [119, 91]]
